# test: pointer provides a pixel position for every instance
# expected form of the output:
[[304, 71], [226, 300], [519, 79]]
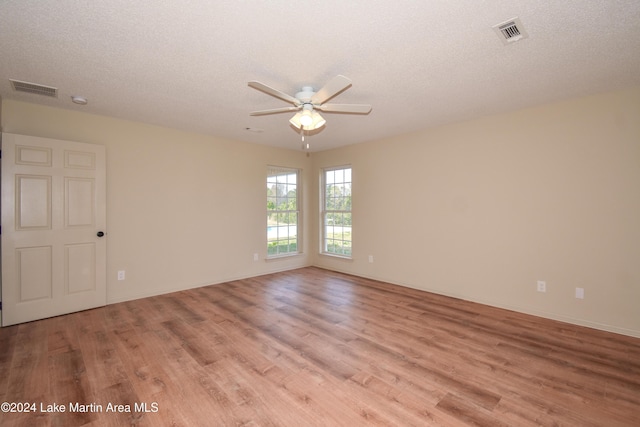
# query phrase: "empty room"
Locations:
[[336, 213]]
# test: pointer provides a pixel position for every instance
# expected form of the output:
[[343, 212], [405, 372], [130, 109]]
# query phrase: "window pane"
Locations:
[[271, 203], [339, 175], [347, 175], [330, 177]]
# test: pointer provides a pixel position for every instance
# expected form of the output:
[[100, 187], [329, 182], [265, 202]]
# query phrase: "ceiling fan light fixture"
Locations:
[[306, 118], [295, 120], [318, 121]]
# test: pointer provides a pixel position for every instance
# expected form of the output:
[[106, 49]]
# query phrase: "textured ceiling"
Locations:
[[186, 64]]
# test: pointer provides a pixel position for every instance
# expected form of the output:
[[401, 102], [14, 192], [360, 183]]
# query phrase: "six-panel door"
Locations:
[[53, 206]]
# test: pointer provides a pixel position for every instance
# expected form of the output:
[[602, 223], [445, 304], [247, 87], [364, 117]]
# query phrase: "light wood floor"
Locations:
[[311, 347]]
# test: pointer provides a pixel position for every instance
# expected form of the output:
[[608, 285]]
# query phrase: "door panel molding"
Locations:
[[33, 202], [33, 156], [34, 273]]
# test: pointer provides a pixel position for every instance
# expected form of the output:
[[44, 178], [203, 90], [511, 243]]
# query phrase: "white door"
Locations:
[[53, 211]]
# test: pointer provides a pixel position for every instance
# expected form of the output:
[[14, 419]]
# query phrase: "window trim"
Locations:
[[323, 212], [272, 171]]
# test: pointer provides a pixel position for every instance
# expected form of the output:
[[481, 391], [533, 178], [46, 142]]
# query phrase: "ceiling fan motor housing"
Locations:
[[305, 94]]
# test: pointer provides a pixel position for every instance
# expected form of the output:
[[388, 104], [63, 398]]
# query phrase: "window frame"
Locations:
[[275, 171], [324, 247]]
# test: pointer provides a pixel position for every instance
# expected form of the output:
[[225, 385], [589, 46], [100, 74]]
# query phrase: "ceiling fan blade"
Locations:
[[274, 92], [331, 89], [274, 111], [345, 108]]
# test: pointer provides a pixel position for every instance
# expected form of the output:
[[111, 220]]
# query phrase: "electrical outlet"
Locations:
[[256, 257], [121, 275], [542, 286], [580, 293], [370, 258]]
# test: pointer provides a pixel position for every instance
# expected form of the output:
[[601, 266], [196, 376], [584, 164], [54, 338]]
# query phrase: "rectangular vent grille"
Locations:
[[34, 88], [511, 31]]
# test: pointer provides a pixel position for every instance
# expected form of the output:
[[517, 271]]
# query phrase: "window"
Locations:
[[283, 213], [336, 211]]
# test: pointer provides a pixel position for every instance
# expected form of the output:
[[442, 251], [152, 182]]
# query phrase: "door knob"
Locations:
[[100, 234]]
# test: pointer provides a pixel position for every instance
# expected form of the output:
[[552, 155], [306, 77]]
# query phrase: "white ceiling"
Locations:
[[186, 64]]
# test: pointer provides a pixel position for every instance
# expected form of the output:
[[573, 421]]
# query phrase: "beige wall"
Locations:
[[183, 209], [481, 210]]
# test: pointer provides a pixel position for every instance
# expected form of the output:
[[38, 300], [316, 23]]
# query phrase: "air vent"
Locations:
[[34, 88], [511, 31]]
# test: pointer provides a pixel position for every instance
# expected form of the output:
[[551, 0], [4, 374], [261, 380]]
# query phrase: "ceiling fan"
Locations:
[[307, 101]]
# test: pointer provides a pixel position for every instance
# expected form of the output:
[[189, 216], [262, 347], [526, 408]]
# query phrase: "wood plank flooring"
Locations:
[[311, 347]]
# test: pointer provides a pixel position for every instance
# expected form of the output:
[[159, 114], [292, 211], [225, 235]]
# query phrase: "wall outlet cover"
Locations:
[[542, 286]]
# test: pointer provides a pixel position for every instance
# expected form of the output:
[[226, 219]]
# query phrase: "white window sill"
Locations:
[[283, 256], [344, 257]]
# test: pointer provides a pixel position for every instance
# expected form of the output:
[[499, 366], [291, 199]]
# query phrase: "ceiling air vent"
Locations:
[[511, 31], [37, 89]]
